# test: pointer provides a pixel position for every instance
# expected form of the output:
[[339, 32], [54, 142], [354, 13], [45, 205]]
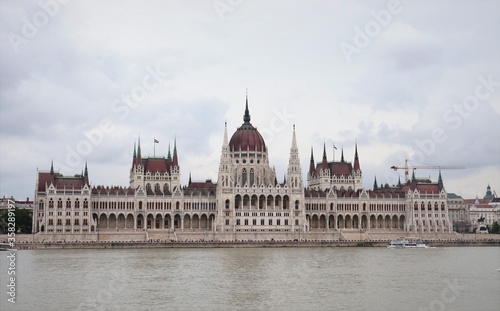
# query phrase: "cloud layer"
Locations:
[[415, 87]]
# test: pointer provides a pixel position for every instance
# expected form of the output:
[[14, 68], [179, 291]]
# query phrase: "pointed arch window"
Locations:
[[251, 177], [243, 176]]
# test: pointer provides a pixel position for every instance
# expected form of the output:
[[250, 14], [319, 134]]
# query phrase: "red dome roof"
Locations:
[[246, 136]]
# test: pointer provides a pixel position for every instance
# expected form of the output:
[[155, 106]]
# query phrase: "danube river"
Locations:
[[298, 278]]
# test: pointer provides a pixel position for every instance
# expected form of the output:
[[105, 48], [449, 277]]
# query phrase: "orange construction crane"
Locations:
[[423, 167]]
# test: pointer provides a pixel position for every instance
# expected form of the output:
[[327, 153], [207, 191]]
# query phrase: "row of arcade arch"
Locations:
[[348, 221], [201, 221]]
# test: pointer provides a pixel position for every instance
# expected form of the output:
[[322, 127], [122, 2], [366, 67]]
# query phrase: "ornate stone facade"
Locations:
[[247, 202]]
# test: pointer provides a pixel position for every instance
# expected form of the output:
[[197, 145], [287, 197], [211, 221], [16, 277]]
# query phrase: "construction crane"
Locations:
[[423, 167]]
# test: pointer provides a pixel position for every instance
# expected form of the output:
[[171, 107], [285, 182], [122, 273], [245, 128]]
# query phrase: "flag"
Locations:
[[334, 147], [156, 141]]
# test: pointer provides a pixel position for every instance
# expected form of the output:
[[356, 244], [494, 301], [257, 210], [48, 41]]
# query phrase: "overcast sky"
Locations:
[[416, 79]]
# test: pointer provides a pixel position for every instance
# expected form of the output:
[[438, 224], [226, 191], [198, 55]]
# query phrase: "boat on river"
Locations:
[[405, 243]]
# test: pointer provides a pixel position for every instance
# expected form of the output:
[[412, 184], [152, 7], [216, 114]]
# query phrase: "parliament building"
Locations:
[[246, 203]]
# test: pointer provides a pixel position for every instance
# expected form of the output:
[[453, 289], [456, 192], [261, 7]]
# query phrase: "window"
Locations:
[[85, 222], [59, 222], [286, 222], [85, 203], [262, 222], [59, 203], [296, 222], [77, 222], [246, 222], [270, 222], [51, 222], [77, 204], [227, 222], [68, 204], [251, 177], [244, 177], [278, 222], [254, 222], [237, 222], [68, 222]]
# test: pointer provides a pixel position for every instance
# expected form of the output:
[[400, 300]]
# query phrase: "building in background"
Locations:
[[458, 210], [247, 202]]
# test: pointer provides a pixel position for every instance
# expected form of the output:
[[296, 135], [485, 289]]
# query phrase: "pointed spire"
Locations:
[[246, 117], [169, 156], [86, 174], [135, 155], [399, 181], [175, 160], [52, 167], [225, 134], [189, 182], [356, 159], [312, 167], [138, 159], [413, 179], [294, 139], [375, 186], [284, 179], [139, 147], [324, 163], [440, 179], [342, 155]]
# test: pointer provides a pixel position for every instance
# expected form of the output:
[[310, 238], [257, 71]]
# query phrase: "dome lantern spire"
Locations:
[[246, 117]]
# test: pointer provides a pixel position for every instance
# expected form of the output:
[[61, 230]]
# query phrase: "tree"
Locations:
[[495, 228], [23, 220]]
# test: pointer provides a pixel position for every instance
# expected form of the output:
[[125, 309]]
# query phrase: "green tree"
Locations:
[[23, 220], [495, 228]]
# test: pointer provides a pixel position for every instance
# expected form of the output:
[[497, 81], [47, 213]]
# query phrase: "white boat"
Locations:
[[6, 247], [404, 243]]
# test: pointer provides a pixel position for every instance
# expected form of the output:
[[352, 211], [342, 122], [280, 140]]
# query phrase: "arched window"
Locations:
[[59, 203], [51, 203], [157, 187], [85, 203], [237, 222], [77, 204], [68, 204], [227, 204], [165, 188], [246, 222]]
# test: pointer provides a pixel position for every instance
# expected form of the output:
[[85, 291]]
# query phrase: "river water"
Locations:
[[308, 278]]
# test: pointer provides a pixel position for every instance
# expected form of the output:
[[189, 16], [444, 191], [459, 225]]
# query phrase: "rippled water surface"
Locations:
[[462, 278]]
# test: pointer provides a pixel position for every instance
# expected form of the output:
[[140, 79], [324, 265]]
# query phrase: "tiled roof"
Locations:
[[59, 181], [159, 165], [201, 188]]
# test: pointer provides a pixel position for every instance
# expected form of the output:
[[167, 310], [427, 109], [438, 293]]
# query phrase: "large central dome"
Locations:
[[246, 137]]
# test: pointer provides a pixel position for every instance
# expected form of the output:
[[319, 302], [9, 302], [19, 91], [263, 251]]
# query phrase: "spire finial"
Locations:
[[52, 167], [342, 155], [246, 117], [86, 171]]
